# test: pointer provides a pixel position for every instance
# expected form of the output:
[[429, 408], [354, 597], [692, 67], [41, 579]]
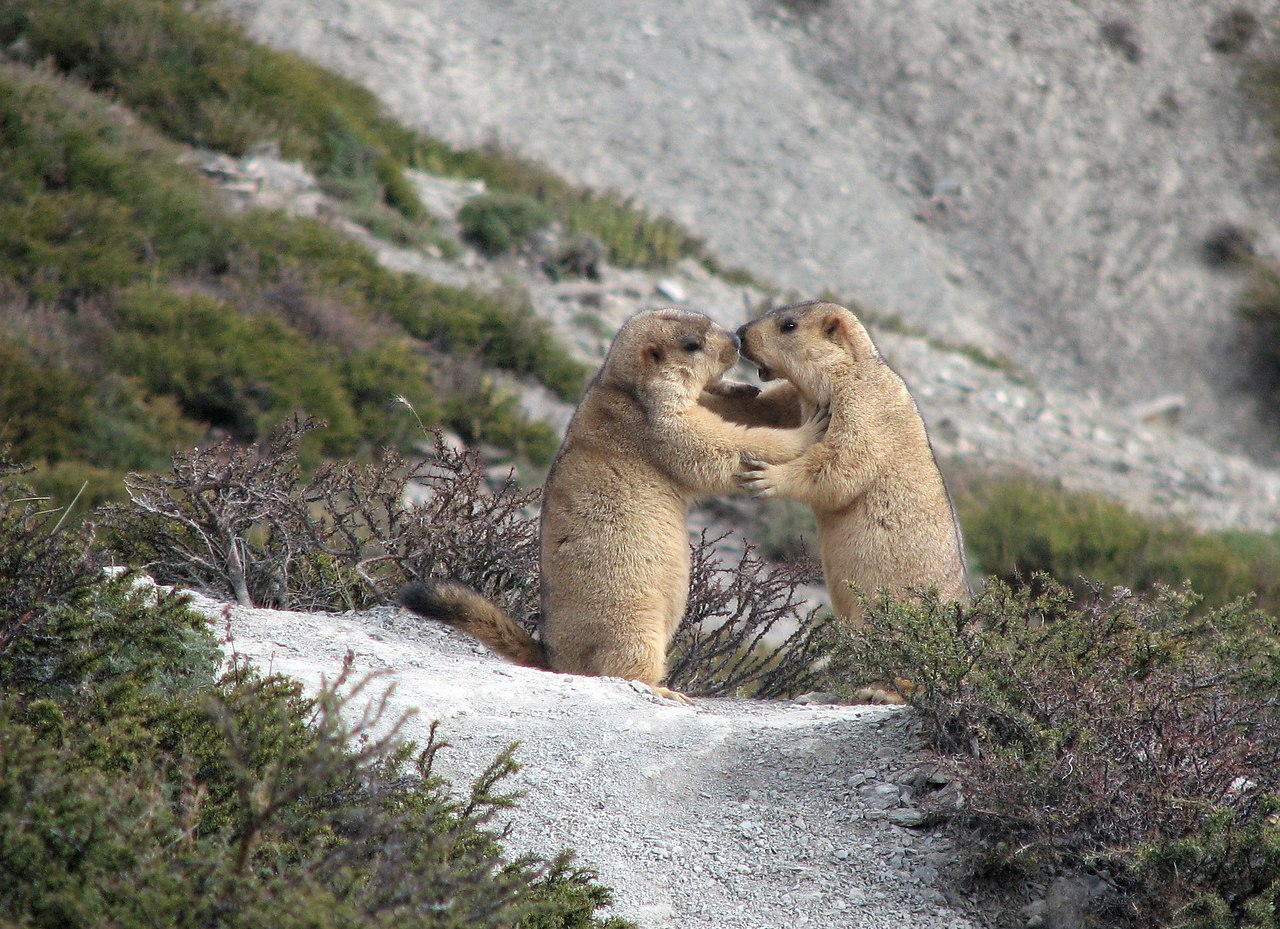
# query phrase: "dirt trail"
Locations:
[[729, 813]]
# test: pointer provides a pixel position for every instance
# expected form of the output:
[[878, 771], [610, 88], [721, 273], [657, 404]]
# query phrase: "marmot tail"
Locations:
[[459, 606]]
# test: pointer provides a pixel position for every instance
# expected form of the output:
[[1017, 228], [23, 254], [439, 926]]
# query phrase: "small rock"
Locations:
[[881, 796], [925, 875], [820, 697], [1071, 901], [1163, 409], [906, 817], [671, 289]]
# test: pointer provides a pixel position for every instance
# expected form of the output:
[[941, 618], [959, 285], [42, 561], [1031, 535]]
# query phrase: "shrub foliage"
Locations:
[[119, 266], [244, 523], [1259, 311], [747, 630], [1017, 527], [1091, 731], [198, 79], [498, 223], [142, 786]]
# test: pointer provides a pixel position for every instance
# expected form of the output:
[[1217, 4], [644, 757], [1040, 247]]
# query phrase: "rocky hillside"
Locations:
[[1031, 182]]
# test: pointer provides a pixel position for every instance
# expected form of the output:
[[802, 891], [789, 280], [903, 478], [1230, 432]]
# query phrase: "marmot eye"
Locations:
[[691, 345], [787, 325]]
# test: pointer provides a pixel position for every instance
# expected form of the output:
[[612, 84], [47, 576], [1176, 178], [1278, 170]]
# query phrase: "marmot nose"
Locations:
[[737, 338]]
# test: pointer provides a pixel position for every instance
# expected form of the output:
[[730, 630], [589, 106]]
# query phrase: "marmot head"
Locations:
[[806, 343], [669, 355]]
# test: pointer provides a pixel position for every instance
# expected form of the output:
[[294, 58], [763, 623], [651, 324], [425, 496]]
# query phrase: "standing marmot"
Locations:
[[885, 519], [615, 544]]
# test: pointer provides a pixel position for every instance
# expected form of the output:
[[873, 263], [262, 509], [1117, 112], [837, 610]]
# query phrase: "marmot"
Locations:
[[614, 540], [885, 519]]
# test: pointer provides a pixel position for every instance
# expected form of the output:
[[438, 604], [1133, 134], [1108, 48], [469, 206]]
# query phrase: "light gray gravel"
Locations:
[[729, 813]]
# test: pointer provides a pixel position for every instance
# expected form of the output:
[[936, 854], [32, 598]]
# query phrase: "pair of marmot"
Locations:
[[657, 428]]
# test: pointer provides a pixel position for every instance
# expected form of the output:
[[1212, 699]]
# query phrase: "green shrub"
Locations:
[[1259, 311], [490, 415], [788, 531], [384, 223], [192, 348], [1016, 527], [503, 332], [45, 408], [85, 429], [102, 222], [381, 379], [498, 223], [1234, 864], [1090, 729], [140, 787], [130, 429], [62, 245], [198, 79], [92, 202], [211, 359], [631, 236]]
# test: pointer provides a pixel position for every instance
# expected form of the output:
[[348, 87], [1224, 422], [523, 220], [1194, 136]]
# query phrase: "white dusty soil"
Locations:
[[726, 813]]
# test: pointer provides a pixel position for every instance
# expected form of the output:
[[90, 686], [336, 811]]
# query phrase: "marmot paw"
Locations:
[[755, 477], [664, 693], [733, 389], [818, 422]]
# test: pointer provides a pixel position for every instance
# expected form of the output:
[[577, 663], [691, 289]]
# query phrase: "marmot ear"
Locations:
[[653, 353], [834, 329]]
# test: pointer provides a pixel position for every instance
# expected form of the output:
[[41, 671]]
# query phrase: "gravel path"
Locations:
[[729, 813]]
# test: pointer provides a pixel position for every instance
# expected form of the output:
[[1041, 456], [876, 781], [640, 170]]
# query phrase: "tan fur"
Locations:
[[614, 537], [885, 519]]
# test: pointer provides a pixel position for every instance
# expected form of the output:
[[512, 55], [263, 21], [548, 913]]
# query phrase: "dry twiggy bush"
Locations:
[[1125, 731], [245, 524], [727, 643]]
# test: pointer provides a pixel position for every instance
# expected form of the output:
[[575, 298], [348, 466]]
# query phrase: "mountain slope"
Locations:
[[997, 173]]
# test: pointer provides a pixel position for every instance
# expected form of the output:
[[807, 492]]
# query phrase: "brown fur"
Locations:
[[885, 519], [614, 537]]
